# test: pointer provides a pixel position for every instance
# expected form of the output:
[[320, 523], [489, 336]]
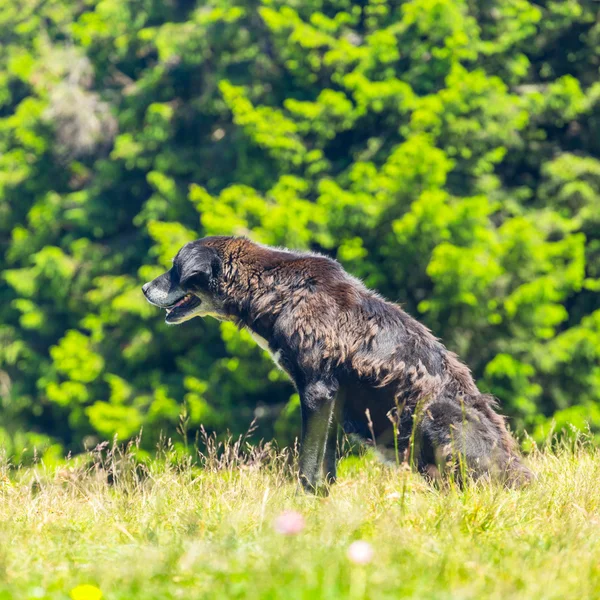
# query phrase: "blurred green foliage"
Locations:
[[445, 151]]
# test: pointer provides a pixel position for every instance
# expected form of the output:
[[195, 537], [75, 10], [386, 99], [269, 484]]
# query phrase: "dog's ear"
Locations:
[[199, 267]]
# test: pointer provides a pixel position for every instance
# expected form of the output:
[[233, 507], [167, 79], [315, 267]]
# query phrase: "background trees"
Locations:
[[446, 151]]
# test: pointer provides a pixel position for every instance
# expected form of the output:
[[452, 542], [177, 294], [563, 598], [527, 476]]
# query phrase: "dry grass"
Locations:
[[171, 528]]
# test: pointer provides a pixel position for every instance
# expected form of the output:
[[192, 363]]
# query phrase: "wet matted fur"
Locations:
[[356, 359]]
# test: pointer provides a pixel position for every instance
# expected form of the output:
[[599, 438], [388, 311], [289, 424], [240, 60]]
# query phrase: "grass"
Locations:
[[175, 529]]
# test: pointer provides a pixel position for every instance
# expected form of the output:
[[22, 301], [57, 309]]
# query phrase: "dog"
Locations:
[[356, 360]]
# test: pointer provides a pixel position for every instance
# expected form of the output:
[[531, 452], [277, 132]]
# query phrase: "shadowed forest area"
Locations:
[[447, 152]]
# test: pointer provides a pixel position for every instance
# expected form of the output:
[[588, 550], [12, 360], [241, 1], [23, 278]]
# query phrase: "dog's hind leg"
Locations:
[[317, 401], [459, 440], [453, 443]]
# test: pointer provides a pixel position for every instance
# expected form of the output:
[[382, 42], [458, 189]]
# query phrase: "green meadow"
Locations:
[[173, 528]]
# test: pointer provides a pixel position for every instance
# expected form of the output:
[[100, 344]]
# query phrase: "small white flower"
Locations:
[[361, 552]]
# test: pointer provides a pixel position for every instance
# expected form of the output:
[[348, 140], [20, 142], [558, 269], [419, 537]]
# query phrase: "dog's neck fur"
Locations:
[[254, 295]]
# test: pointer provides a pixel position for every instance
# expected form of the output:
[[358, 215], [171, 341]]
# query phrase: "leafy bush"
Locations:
[[446, 152]]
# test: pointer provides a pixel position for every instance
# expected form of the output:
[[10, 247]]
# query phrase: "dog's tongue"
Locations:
[[183, 300]]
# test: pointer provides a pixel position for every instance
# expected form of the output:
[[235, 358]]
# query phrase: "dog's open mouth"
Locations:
[[182, 307]]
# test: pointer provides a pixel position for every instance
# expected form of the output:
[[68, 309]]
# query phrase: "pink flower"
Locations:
[[360, 553], [289, 522]]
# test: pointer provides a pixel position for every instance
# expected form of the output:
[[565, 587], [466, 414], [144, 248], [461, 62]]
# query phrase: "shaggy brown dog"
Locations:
[[355, 358]]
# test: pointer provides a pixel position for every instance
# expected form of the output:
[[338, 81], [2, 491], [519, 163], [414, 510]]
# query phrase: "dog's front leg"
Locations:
[[330, 460], [317, 402]]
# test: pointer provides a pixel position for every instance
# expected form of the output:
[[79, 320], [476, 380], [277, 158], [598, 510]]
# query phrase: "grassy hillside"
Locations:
[[174, 530]]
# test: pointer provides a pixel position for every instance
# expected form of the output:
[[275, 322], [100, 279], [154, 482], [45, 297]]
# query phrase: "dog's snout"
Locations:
[[145, 288]]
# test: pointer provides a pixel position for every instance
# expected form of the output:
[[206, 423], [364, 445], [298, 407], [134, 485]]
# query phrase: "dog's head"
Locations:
[[190, 288]]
